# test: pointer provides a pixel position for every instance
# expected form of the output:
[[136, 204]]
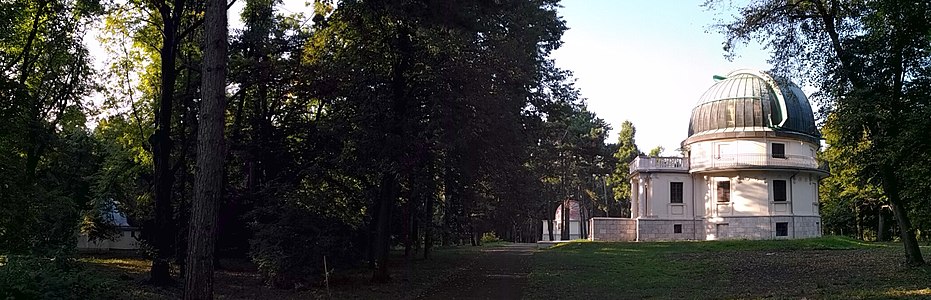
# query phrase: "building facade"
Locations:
[[749, 172]]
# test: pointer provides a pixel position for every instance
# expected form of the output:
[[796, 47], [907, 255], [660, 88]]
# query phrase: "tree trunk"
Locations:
[[450, 197], [415, 232], [881, 231], [410, 231], [162, 146], [549, 224], [472, 234], [566, 230], [912, 252], [208, 186], [859, 222], [428, 226], [381, 243]]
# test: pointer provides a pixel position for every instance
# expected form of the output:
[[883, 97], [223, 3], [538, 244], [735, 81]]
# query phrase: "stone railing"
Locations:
[[651, 163], [755, 160]]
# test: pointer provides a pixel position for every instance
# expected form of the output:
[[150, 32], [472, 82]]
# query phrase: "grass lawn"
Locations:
[[829, 267]]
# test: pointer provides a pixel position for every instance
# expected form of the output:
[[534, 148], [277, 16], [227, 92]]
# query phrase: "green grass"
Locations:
[[829, 267]]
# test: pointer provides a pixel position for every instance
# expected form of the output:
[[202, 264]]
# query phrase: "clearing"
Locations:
[[830, 267]]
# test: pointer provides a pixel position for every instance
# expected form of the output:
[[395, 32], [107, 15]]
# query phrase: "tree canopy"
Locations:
[[869, 62]]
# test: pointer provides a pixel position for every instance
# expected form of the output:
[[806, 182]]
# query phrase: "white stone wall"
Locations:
[[760, 228], [709, 149], [752, 193], [574, 230], [660, 201], [613, 229], [806, 227], [664, 230], [126, 239]]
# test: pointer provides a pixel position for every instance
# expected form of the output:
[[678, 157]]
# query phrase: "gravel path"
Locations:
[[500, 272]]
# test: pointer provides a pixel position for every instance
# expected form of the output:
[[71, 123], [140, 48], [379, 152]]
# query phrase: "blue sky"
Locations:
[[647, 62]]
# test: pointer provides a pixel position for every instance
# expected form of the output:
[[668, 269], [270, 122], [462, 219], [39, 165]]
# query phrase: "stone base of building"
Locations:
[[668, 230], [613, 229], [719, 228], [762, 228]]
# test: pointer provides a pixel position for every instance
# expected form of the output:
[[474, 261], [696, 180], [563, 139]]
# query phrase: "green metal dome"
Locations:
[[749, 103]]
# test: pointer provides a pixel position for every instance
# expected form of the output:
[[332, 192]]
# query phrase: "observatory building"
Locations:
[[750, 170]]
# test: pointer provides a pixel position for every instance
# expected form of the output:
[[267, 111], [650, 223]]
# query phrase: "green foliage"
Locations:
[[45, 219], [46, 155], [656, 151], [290, 244], [29, 277], [490, 237], [626, 152], [869, 61], [849, 204]]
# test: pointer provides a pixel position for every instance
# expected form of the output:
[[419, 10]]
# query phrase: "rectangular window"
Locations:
[[677, 228], [675, 192], [724, 191], [779, 150], [782, 229], [779, 190]]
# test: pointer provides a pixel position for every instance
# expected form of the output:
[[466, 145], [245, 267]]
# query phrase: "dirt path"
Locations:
[[500, 272]]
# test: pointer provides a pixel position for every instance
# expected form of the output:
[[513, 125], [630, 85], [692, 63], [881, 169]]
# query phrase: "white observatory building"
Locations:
[[750, 171]]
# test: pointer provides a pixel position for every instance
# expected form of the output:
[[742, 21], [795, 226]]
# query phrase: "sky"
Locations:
[[647, 62], [643, 61]]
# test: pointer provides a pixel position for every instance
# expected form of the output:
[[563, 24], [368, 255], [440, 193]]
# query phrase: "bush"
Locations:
[[490, 237], [29, 277], [290, 243]]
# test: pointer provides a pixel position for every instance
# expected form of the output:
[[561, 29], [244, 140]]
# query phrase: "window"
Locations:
[[779, 190], [677, 228], [724, 191], [675, 192], [779, 150], [782, 229]]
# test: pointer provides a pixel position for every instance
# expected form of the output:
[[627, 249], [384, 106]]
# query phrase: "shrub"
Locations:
[[29, 277], [290, 243], [490, 237]]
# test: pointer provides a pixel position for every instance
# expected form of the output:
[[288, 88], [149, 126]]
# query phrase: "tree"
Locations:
[[849, 204], [626, 152], [171, 14], [869, 60], [211, 154], [45, 74], [656, 151]]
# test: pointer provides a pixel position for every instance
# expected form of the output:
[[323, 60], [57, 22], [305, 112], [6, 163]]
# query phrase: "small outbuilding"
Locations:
[[126, 237], [568, 216]]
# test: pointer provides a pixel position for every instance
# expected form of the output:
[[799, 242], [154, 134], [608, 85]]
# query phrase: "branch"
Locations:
[[197, 23], [190, 29]]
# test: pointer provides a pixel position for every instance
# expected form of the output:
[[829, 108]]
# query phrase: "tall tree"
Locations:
[[849, 204], [174, 21], [869, 59], [45, 74], [211, 155], [626, 152]]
